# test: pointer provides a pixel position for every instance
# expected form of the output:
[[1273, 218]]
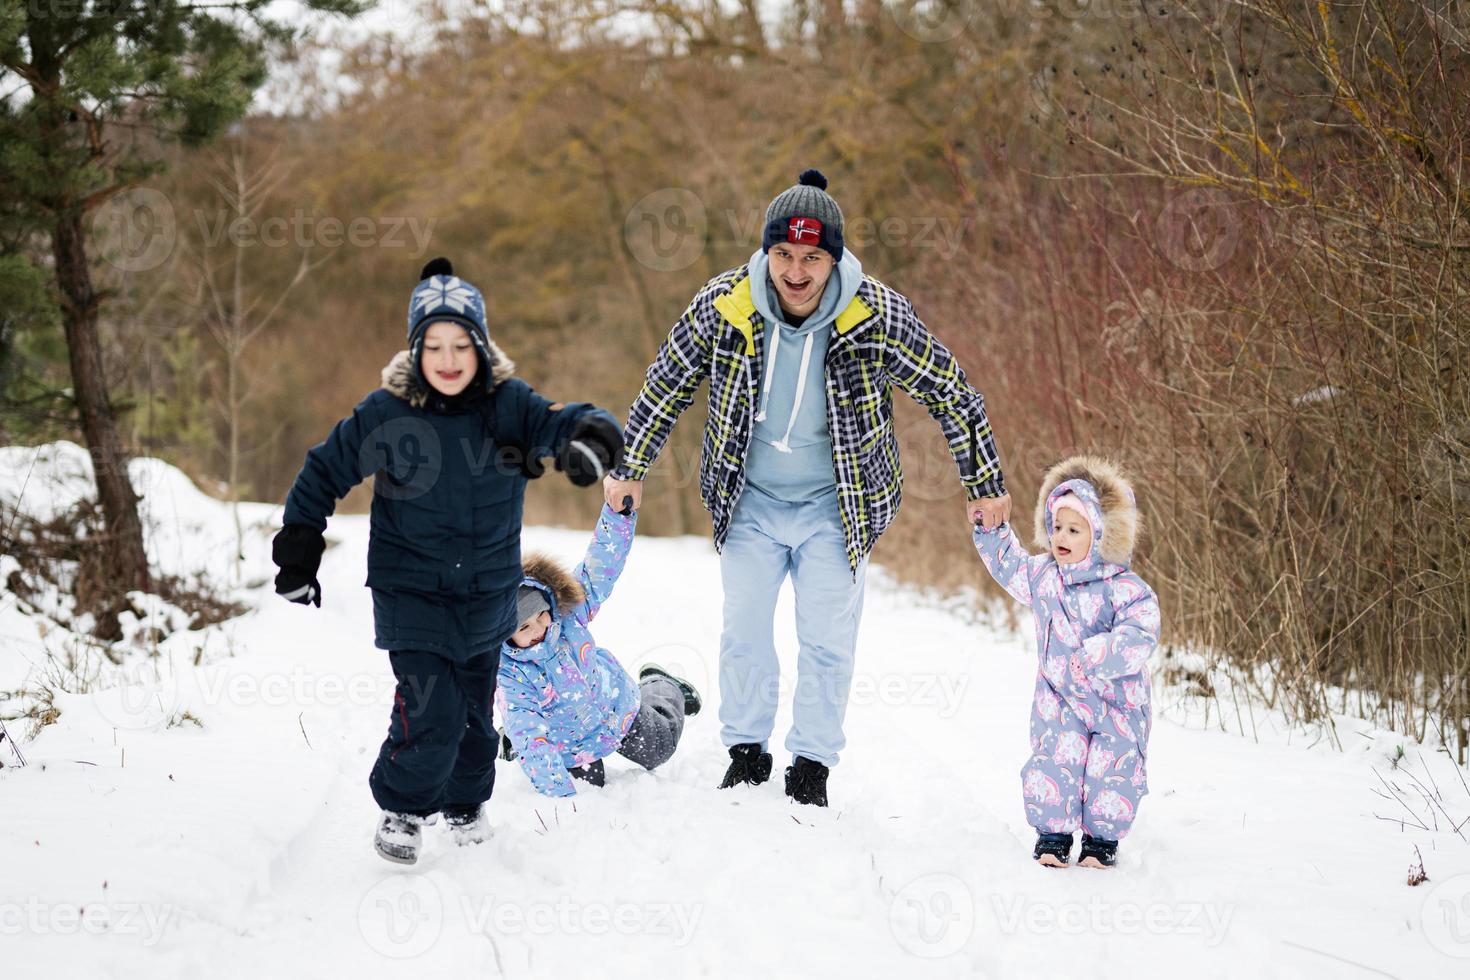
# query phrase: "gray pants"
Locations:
[[655, 731]]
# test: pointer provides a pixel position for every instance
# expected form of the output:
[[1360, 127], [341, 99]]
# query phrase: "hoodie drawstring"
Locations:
[[775, 334], [784, 445]]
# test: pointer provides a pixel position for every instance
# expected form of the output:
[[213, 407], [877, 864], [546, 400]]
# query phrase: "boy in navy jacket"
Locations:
[[450, 438]]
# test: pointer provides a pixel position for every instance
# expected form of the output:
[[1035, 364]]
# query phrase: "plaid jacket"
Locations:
[[877, 342]]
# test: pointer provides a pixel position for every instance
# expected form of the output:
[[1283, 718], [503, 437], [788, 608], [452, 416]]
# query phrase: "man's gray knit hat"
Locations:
[[530, 603], [805, 215]]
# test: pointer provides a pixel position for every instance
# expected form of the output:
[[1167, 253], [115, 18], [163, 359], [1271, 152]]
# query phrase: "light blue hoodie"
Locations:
[[790, 455]]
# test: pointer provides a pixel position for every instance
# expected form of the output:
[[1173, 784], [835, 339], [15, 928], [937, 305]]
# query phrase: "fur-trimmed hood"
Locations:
[[401, 377], [1115, 500], [552, 576]]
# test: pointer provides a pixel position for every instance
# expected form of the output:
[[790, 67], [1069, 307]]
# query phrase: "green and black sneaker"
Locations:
[[691, 696]]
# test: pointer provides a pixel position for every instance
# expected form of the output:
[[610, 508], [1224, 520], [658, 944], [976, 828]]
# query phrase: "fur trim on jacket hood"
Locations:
[[552, 575], [1121, 525], [401, 377]]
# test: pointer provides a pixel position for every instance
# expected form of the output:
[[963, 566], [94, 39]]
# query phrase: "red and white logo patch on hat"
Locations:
[[804, 231]]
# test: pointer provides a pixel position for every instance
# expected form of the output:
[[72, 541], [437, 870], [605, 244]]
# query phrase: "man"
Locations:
[[800, 468]]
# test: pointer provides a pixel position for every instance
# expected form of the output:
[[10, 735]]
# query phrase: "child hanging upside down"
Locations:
[[566, 702]]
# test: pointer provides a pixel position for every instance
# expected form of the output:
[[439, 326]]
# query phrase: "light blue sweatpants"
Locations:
[[768, 540]]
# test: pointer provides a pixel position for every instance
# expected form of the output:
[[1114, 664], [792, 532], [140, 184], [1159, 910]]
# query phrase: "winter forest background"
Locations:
[[1225, 241]]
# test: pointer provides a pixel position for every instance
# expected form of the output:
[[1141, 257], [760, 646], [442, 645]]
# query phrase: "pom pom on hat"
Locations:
[[812, 178], [437, 267]]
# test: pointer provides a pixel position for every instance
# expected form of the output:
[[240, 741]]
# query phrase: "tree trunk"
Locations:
[[125, 563], [237, 565]]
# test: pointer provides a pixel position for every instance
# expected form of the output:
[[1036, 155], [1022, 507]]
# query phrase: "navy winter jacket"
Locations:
[[444, 555]]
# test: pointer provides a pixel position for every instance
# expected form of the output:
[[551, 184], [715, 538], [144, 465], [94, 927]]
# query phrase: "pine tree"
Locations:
[[94, 91], [30, 331]]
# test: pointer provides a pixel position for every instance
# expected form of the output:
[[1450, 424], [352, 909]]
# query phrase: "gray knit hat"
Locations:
[[530, 603], [805, 215]]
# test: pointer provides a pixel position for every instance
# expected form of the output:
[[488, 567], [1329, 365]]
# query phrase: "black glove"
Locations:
[[297, 551], [594, 449]]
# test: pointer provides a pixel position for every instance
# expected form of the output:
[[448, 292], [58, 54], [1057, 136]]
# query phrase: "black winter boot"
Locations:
[[748, 764], [1097, 853], [594, 772], [806, 782], [1052, 850], [691, 696]]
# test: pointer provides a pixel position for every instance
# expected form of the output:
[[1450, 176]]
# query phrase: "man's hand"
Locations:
[[989, 512], [613, 491]]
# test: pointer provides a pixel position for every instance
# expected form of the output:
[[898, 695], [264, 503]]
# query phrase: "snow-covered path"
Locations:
[[242, 848]]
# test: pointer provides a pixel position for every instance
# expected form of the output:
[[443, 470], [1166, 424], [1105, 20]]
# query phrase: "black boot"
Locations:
[[594, 772], [806, 782], [507, 751], [1052, 850], [691, 696], [1097, 853], [748, 764]]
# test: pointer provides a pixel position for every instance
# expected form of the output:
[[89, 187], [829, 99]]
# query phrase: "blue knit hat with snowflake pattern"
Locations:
[[441, 295]]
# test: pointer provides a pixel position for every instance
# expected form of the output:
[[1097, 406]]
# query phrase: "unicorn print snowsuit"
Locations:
[[567, 701], [1097, 623]]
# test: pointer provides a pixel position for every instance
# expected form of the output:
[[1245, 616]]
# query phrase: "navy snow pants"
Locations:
[[441, 744]]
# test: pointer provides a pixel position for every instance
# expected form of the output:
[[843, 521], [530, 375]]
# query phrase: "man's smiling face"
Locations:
[[800, 273]]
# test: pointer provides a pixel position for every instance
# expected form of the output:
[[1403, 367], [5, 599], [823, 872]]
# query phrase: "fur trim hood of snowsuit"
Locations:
[[1121, 525], [566, 592]]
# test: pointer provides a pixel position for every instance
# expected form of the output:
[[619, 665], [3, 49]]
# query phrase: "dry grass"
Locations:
[[1228, 246]]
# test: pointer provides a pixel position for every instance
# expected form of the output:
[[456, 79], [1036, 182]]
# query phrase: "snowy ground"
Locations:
[[139, 843]]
